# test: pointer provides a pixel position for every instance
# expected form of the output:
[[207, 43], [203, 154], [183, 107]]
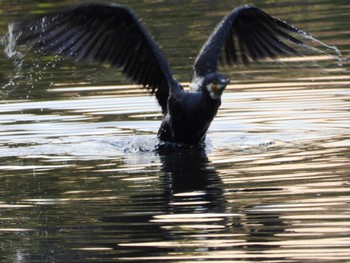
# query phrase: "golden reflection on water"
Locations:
[[275, 188]]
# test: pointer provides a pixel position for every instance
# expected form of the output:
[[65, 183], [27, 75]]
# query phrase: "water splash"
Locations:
[[10, 40], [17, 58], [139, 144], [332, 48], [25, 72]]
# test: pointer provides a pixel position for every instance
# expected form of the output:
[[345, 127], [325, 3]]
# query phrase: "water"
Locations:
[[79, 181]]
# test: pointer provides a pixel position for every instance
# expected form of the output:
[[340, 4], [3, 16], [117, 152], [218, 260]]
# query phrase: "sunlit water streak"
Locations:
[[310, 112]]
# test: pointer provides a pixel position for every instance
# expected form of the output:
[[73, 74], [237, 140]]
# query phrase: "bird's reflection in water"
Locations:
[[192, 211], [200, 214], [190, 181]]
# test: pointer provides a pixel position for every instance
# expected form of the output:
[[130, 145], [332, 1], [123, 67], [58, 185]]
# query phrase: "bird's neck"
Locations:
[[212, 105]]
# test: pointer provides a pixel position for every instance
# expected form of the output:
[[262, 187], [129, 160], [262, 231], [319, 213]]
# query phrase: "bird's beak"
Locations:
[[214, 88], [218, 89]]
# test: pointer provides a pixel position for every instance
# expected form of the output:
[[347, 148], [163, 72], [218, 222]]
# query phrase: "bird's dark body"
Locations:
[[114, 34], [188, 118]]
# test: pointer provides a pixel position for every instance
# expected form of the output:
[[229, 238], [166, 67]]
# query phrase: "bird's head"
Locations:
[[215, 84]]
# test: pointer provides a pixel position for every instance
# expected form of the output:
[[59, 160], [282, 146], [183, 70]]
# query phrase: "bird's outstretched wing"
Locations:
[[104, 33], [246, 34]]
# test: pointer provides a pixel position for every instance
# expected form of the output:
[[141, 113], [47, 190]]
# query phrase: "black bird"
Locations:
[[112, 33]]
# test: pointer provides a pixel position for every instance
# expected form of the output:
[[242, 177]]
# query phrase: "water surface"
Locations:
[[79, 181]]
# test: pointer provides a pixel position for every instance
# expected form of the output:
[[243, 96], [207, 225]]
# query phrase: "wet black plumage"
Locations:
[[111, 33]]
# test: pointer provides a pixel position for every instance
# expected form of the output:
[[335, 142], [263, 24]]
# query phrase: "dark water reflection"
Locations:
[[79, 181]]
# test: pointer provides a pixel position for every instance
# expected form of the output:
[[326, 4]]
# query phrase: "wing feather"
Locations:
[[103, 33], [246, 34]]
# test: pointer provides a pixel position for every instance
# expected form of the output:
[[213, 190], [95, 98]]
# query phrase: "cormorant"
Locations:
[[112, 33]]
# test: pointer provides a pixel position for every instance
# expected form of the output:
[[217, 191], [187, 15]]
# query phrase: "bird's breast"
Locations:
[[187, 121]]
